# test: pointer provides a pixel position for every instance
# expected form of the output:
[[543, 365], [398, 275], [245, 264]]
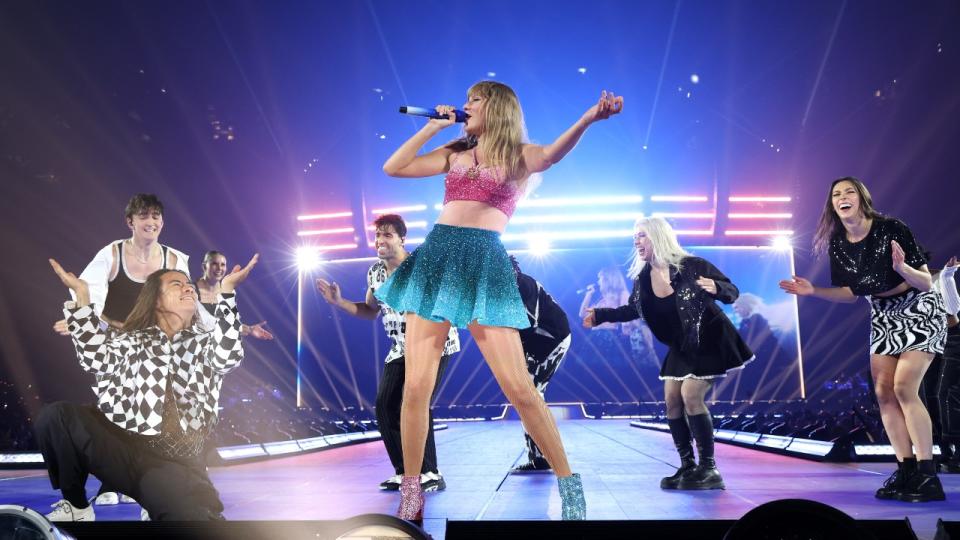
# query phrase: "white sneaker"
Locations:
[[64, 511], [107, 498], [124, 499], [432, 482], [144, 515]]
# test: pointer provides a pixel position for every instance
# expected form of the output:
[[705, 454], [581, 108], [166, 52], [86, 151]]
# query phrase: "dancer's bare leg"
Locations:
[[906, 387], [424, 343], [884, 368], [503, 352]]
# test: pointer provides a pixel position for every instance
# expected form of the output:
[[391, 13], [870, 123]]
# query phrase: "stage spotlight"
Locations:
[[21, 522], [782, 243], [539, 246], [308, 258], [378, 526], [694, 78]]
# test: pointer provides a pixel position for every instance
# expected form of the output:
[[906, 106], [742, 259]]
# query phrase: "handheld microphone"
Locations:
[[432, 113], [590, 287]]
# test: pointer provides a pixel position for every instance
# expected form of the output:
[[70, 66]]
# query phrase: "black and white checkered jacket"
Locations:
[[132, 367]]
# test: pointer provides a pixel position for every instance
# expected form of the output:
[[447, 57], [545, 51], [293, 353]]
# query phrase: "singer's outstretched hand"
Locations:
[[608, 105]]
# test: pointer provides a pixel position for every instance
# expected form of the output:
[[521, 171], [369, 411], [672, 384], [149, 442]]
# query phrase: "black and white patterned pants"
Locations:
[[541, 370], [911, 321]]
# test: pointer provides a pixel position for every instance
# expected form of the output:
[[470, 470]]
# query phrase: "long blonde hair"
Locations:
[[504, 131], [663, 238]]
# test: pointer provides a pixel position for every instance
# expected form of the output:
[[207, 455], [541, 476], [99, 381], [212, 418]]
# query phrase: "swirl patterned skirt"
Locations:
[[458, 274], [910, 321]]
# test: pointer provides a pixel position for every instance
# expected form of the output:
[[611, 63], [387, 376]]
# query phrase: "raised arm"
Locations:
[[405, 163], [539, 158], [948, 287], [919, 278], [226, 350], [97, 352]]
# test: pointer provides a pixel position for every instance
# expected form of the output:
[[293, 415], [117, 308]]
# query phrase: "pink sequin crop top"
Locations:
[[481, 184]]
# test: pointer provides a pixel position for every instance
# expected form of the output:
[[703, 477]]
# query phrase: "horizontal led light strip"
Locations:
[[575, 218], [761, 215], [410, 225], [679, 198], [333, 247], [308, 217], [321, 232], [692, 215], [758, 233], [582, 235], [399, 209], [758, 198]]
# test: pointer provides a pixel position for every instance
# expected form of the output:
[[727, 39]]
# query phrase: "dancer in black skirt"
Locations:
[[675, 293], [877, 257]]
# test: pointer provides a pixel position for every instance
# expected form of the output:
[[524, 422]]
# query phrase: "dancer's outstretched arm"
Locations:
[[331, 293], [802, 287], [540, 158]]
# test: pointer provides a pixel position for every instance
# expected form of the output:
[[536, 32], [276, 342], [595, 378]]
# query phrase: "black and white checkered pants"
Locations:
[[541, 370]]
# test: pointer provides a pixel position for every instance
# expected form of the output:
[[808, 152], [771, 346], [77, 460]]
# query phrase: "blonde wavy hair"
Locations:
[[504, 131], [666, 247]]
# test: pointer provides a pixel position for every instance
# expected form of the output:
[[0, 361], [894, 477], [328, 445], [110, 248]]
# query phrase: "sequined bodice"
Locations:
[[481, 184], [866, 266]]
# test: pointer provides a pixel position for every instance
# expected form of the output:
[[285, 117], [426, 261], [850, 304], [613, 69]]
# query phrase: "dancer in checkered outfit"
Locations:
[[157, 383]]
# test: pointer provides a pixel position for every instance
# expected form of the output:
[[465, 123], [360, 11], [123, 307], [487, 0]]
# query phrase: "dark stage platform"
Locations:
[[621, 468]]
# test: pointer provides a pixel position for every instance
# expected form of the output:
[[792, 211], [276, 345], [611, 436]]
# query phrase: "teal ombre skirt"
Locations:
[[458, 274]]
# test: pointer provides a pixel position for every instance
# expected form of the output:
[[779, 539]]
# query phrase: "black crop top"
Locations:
[[867, 266]]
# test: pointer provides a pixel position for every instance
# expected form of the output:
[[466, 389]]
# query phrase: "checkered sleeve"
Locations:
[[227, 351], [98, 352]]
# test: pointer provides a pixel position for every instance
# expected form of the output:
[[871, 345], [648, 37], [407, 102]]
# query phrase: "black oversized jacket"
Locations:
[[704, 323]]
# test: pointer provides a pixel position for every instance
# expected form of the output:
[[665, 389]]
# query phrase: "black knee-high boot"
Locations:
[[681, 439], [705, 475]]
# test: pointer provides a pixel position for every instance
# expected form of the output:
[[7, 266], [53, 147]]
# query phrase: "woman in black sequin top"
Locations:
[[876, 256]]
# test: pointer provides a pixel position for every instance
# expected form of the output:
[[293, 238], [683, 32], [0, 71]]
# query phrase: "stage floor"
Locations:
[[621, 468]]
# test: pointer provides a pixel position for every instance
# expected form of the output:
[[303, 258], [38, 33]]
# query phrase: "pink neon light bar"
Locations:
[[761, 215], [759, 198], [410, 225], [759, 233], [308, 217], [320, 232]]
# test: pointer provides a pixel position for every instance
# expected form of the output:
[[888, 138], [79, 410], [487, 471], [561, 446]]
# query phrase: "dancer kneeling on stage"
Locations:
[[157, 383], [675, 293], [877, 257]]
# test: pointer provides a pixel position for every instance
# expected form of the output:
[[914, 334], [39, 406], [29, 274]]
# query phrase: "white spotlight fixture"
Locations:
[[539, 245], [308, 258], [782, 243]]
